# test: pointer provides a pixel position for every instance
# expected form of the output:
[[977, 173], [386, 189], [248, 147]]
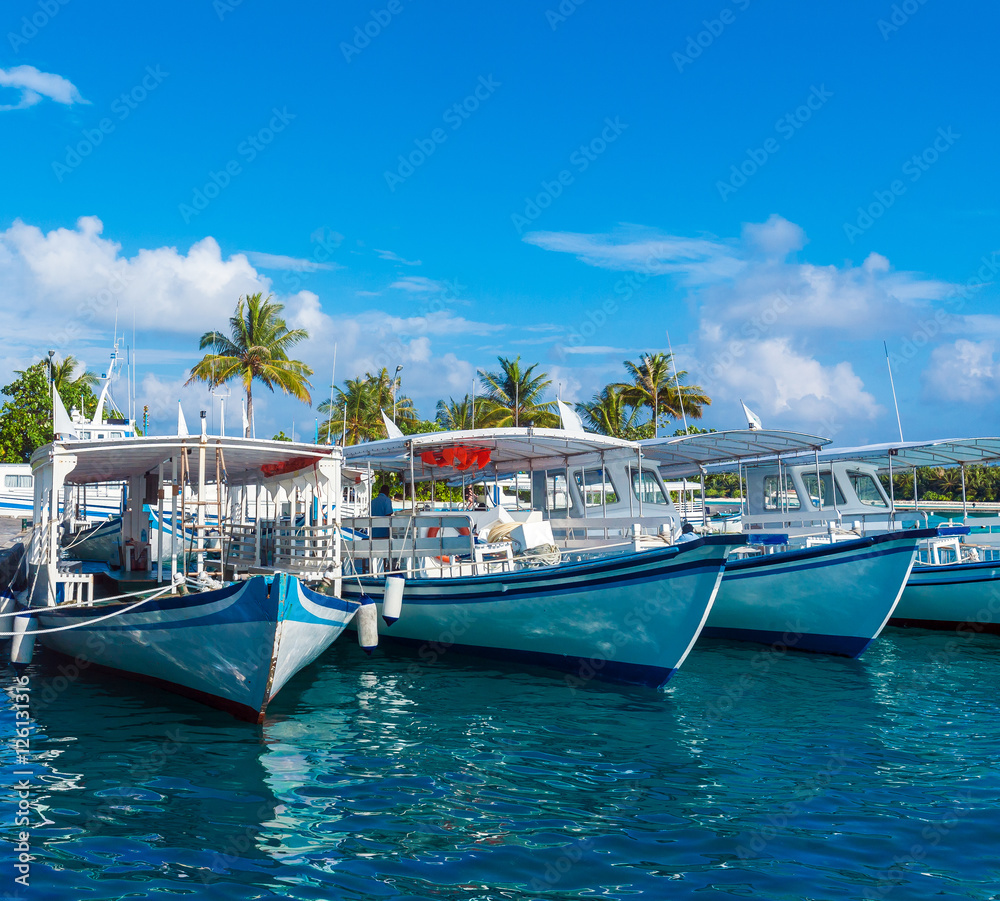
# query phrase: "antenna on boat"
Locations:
[[893, 386], [677, 384], [333, 382]]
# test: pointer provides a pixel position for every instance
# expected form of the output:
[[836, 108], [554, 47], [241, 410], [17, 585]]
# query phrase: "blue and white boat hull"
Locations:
[[951, 596], [830, 599], [232, 648], [630, 618]]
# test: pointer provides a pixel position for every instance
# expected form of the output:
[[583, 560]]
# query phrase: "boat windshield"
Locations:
[[596, 487], [866, 489], [809, 482], [646, 487], [779, 494]]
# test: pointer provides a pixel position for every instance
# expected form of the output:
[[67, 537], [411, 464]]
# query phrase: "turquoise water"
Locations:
[[754, 774]]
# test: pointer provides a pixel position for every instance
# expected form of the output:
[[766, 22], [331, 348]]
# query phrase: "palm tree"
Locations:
[[653, 385], [513, 397], [385, 396], [454, 415], [364, 399], [255, 349], [74, 390], [609, 414]]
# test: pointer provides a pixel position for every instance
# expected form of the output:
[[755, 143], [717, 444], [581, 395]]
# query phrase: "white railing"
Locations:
[[431, 544], [78, 587]]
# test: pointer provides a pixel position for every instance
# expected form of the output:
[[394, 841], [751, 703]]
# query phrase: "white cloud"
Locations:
[[396, 258], [417, 284], [82, 281], [634, 249], [35, 86], [292, 264], [595, 349], [963, 371], [771, 328]]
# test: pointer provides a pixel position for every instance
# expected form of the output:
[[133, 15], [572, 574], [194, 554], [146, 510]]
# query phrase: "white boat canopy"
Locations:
[[687, 455], [492, 451], [945, 452], [247, 461]]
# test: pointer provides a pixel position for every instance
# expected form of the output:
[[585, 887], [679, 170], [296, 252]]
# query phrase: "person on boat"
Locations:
[[687, 533], [382, 506]]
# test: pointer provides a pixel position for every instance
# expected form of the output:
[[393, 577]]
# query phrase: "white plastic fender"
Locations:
[[22, 645], [367, 617], [392, 601]]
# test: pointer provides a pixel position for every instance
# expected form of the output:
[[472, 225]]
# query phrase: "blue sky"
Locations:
[[782, 186]]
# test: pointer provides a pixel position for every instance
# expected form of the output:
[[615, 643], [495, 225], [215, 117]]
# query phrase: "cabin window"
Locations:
[[866, 488], [778, 496], [646, 487], [17, 481], [596, 487], [809, 481], [555, 492]]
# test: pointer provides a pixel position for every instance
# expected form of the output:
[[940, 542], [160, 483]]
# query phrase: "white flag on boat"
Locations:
[[182, 426], [571, 421], [753, 420], [246, 422], [62, 425], [391, 429]]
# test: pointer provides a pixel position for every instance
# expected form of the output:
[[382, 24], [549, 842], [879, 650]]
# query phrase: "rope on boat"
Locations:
[[34, 611]]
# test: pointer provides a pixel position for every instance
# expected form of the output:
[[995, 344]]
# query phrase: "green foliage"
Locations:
[[982, 483], [419, 426], [456, 415], [256, 349], [610, 414], [281, 436], [26, 418]]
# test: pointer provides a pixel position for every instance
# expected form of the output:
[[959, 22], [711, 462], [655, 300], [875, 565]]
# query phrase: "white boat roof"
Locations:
[[944, 452], [248, 460], [685, 455], [511, 450]]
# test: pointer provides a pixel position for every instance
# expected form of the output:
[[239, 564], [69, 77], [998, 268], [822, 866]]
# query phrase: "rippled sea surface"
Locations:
[[755, 774]]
